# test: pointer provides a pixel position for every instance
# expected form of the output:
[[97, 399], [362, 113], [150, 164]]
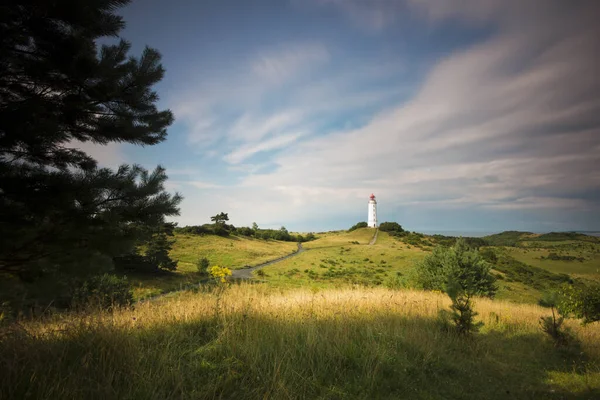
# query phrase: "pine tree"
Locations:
[[60, 214]]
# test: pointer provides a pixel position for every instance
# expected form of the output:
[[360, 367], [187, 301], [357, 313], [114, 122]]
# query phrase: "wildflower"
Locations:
[[220, 273]]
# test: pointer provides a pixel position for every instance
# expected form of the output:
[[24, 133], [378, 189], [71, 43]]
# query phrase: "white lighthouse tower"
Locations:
[[372, 216]]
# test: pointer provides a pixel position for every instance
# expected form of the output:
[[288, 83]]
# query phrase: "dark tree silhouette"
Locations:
[[60, 214]]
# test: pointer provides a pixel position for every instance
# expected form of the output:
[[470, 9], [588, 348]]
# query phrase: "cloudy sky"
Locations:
[[468, 115]]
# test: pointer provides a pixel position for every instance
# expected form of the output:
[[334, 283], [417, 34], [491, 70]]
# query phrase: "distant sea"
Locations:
[[481, 234]]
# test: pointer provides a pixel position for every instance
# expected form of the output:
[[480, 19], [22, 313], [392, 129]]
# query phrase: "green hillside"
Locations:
[[232, 252], [334, 321]]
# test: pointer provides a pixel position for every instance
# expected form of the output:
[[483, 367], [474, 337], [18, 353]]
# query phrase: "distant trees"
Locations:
[[358, 225], [390, 227], [220, 227], [220, 218], [223, 229]]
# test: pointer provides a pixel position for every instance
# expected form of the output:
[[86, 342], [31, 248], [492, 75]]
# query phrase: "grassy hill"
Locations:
[[344, 258], [575, 254], [528, 239], [252, 341], [233, 252], [334, 321]]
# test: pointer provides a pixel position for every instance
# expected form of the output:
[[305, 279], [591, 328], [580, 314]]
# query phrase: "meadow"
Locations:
[[338, 259], [253, 341], [336, 321], [585, 263], [232, 252]]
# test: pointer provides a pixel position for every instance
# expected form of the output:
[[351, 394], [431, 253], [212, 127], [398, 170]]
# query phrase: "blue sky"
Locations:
[[460, 115]]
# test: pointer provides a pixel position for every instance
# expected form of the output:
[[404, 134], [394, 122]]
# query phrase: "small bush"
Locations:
[[358, 225], [461, 314], [581, 302], [390, 227], [104, 291], [553, 325], [202, 265]]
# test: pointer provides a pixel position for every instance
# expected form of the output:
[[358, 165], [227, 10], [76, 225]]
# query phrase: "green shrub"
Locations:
[[358, 226], [460, 272], [537, 278], [104, 291], [461, 314], [582, 301], [157, 250], [202, 265], [553, 325], [489, 255], [390, 227]]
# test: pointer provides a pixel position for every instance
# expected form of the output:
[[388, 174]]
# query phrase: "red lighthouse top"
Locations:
[[372, 196]]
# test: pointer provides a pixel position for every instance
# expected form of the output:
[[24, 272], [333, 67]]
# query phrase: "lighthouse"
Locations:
[[372, 216]]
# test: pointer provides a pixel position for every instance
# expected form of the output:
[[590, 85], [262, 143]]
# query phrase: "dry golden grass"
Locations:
[[253, 341]]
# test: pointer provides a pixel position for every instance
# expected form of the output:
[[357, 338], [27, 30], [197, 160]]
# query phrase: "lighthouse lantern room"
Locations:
[[372, 216]]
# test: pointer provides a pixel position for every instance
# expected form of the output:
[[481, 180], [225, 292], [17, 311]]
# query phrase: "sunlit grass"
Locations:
[[230, 252], [262, 342], [337, 259], [588, 268]]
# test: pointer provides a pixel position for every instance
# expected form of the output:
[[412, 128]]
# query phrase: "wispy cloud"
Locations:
[[277, 142], [290, 61], [491, 126], [250, 128], [203, 185], [503, 124]]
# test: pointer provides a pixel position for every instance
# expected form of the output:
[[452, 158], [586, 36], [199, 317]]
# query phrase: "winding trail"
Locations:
[[246, 273], [372, 242]]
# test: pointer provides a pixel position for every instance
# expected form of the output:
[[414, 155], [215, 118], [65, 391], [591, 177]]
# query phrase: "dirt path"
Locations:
[[246, 273], [372, 242]]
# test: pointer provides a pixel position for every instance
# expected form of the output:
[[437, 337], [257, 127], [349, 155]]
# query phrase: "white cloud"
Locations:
[[283, 64], [504, 109], [507, 124], [203, 185], [277, 142], [250, 128]]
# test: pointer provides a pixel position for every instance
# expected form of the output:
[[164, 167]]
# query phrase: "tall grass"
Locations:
[[266, 343]]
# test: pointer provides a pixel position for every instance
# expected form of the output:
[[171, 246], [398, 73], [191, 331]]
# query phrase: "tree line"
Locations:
[[221, 228]]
